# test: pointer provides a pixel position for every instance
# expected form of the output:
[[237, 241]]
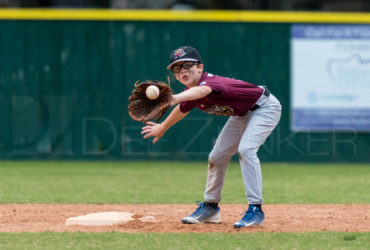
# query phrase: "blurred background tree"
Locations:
[[291, 5]]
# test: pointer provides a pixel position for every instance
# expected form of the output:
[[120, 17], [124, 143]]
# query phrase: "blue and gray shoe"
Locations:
[[253, 217], [204, 214]]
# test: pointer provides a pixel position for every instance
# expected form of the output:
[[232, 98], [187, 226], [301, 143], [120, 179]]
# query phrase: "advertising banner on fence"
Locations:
[[330, 78]]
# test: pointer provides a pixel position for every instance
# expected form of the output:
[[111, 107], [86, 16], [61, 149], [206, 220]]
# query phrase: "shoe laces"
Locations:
[[250, 213], [199, 208]]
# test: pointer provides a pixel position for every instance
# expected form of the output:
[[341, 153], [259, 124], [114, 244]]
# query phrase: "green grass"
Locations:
[[114, 240], [176, 182]]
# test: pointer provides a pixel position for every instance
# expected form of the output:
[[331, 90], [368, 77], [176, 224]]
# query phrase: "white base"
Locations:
[[100, 219]]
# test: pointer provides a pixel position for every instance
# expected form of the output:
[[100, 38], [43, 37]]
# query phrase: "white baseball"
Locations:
[[152, 92]]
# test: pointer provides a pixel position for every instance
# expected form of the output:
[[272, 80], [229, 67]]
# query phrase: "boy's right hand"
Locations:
[[152, 129]]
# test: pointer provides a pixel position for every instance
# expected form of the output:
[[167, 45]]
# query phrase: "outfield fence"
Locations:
[[66, 76]]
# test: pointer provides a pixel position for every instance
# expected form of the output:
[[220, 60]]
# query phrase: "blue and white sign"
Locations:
[[330, 77]]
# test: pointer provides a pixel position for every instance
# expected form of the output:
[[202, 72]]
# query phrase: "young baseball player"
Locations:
[[254, 113]]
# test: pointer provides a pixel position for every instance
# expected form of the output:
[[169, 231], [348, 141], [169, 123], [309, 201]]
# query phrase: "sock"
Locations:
[[211, 204], [257, 205]]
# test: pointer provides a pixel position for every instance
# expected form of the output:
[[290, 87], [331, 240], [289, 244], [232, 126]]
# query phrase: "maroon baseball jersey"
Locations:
[[229, 97]]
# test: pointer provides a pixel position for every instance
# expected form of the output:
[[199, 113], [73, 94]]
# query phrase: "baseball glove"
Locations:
[[142, 109]]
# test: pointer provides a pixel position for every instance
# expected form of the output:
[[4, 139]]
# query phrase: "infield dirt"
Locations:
[[279, 218]]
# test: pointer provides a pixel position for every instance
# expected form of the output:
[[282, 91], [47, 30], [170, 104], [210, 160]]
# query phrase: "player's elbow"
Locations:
[[204, 91]]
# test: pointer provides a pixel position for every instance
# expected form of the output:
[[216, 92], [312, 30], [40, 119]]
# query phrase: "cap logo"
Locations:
[[179, 53]]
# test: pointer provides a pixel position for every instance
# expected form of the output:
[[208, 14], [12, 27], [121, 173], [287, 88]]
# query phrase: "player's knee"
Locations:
[[214, 159], [211, 159], [219, 158], [247, 152]]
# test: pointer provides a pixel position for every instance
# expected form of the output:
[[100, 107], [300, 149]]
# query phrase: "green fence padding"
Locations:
[[64, 88]]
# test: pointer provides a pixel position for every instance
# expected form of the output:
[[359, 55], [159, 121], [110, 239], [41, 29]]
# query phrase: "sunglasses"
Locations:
[[185, 65]]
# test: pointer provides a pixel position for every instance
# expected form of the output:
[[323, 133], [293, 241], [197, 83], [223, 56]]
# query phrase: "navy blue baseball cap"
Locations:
[[184, 53]]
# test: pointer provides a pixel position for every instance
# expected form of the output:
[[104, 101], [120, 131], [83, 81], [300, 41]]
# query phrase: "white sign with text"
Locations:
[[330, 77]]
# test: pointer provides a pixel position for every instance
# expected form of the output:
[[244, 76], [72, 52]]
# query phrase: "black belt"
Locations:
[[266, 92]]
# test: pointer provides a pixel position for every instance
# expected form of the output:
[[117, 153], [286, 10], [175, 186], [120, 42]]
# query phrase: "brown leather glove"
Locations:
[[142, 109]]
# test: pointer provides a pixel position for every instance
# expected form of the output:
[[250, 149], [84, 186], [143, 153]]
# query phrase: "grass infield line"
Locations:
[[184, 16]]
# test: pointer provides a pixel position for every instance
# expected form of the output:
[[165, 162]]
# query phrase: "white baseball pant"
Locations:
[[244, 134]]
